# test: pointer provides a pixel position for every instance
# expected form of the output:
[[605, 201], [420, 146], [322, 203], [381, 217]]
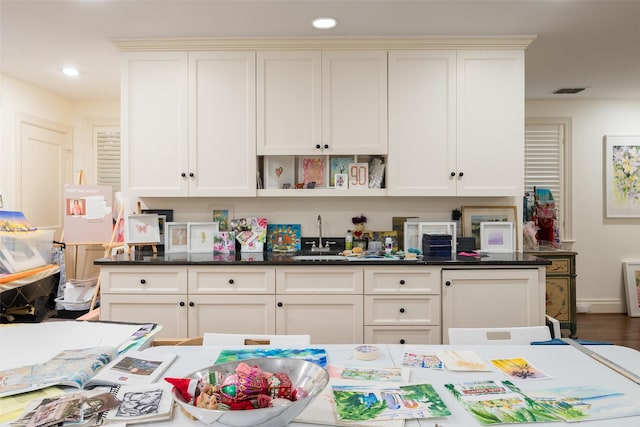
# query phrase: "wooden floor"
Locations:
[[618, 329]]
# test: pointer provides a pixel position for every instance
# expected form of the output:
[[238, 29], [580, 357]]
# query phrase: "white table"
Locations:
[[566, 365]]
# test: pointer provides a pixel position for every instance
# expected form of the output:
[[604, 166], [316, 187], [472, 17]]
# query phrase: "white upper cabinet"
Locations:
[[456, 123], [188, 123], [422, 123], [222, 130], [490, 113], [154, 123], [322, 102]]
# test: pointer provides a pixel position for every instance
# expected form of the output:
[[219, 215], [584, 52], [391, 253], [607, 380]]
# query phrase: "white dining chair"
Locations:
[[509, 335], [211, 338]]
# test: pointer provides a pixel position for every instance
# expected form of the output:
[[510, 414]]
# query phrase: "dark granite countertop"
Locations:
[[269, 258]]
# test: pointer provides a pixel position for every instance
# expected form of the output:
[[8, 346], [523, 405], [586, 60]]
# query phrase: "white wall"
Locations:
[[601, 243]]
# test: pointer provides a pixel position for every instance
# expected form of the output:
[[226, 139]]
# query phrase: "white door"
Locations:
[[44, 166]]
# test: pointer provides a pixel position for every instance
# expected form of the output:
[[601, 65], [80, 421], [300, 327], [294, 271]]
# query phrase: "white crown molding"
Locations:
[[186, 44]]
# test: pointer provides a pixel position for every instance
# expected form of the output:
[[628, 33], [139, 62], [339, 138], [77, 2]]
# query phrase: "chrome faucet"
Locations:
[[320, 247]]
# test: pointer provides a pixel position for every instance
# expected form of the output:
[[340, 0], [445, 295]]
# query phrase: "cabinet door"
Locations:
[[335, 319], [154, 124], [490, 115], [170, 311], [222, 130], [492, 298], [289, 117], [354, 102], [232, 314], [422, 123]]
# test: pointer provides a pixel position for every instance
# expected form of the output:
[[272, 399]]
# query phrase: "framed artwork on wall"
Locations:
[[631, 271], [622, 176], [497, 237], [472, 216]]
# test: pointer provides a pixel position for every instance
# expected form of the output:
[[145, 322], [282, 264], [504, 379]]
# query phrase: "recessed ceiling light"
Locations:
[[324, 23], [70, 71]]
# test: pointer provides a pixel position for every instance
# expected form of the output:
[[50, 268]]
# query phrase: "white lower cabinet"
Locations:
[[189, 301], [492, 298], [402, 305], [338, 304], [324, 302]]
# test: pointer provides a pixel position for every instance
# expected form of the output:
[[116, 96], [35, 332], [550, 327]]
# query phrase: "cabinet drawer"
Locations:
[[400, 280], [319, 280], [403, 335], [401, 310], [158, 280], [232, 280], [559, 266]]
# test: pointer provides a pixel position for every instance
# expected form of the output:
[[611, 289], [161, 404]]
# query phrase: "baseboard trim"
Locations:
[[602, 305]]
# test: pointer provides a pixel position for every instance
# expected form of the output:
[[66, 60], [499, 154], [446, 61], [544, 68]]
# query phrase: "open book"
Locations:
[[83, 368]]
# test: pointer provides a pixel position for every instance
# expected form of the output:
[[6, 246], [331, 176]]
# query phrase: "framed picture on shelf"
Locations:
[[200, 236], [164, 216], [358, 175], [622, 176], [472, 216], [283, 237], [338, 165], [142, 228], [175, 237], [221, 216], [497, 237], [632, 287], [312, 169], [341, 181], [279, 170]]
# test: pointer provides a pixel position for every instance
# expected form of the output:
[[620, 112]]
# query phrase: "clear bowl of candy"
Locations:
[[262, 392]]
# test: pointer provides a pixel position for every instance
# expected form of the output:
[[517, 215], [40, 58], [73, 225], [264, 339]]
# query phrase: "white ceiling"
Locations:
[[580, 43]]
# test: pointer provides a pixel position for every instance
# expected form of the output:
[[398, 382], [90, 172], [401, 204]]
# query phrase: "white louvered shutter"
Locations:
[[108, 157]]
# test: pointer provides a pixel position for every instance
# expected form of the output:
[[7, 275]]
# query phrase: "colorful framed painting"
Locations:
[[200, 236], [142, 228], [224, 242], [312, 169], [472, 216], [338, 165], [497, 237], [221, 216], [279, 171], [283, 237], [622, 176], [175, 237], [631, 270]]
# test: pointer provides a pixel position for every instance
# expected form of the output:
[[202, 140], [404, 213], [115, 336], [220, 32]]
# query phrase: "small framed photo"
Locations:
[[341, 181], [224, 242], [279, 170], [175, 237], [142, 228], [200, 236], [358, 175], [631, 271], [497, 237]]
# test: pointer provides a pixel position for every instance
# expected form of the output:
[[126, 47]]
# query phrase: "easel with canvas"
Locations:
[[83, 222]]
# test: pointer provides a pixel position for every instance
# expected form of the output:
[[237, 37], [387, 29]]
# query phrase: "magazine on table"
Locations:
[[128, 404], [82, 368]]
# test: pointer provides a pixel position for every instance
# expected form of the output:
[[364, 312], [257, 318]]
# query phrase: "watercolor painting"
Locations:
[[518, 368], [314, 355], [622, 176]]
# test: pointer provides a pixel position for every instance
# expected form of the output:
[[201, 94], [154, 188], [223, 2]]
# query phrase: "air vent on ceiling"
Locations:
[[569, 90]]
